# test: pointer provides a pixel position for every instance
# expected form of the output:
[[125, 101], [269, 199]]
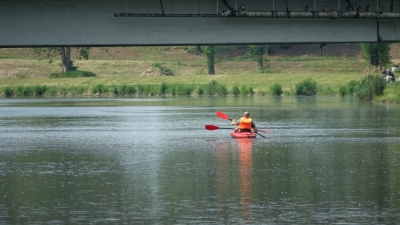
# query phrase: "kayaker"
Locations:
[[245, 124]]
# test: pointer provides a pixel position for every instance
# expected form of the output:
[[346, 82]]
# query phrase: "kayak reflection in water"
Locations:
[[245, 124]]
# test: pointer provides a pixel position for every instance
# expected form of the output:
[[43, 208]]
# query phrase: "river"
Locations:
[[325, 160]]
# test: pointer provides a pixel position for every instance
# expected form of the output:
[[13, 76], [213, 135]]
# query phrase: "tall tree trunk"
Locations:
[[260, 59], [68, 56], [65, 58], [198, 49], [210, 59]]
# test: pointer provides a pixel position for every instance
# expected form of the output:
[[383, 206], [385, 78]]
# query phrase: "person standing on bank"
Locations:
[[245, 124]]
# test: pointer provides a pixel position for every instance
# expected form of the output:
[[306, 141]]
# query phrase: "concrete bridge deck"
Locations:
[[27, 23]]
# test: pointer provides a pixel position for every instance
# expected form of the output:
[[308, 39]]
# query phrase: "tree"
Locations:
[[198, 49], [65, 53], [376, 54], [210, 59], [258, 52]]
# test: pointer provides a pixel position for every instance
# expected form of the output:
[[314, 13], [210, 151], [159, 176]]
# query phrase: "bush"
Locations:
[[235, 90], [51, 91], [164, 88], [276, 89], [215, 88], [351, 86], [39, 90], [244, 90], [124, 90], [164, 70], [80, 90], [200, 91], [100, 89], [307, 87], [8, 92], [140, 89], [24, 91], [343, 91], [370, 86], [251, 91], [184, 90], [130, 90]]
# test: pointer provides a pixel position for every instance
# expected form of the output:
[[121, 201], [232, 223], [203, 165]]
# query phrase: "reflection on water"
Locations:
[[128, 161], [245, 160]]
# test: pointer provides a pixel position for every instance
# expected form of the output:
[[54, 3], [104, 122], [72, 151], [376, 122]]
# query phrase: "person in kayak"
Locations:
[[245, 124]]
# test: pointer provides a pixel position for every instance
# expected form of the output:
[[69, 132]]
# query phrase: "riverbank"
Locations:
[[133, 68]]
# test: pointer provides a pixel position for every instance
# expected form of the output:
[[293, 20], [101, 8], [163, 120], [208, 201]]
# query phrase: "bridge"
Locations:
[[29, 23]]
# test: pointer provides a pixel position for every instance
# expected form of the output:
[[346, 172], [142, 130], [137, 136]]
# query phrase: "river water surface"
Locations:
[[151, 161]]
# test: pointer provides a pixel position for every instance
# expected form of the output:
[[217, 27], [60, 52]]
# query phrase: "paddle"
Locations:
[[213, 127], [223, 116]]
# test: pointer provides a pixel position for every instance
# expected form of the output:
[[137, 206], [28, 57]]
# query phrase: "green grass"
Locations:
[[390, 94]]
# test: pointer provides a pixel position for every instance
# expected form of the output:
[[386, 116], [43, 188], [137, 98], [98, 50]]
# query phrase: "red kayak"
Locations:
[[235, 134]]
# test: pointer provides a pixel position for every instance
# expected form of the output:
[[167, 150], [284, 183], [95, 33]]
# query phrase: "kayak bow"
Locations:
[[235, 134]]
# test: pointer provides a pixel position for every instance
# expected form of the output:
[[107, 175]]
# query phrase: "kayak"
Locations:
[[235, 134]]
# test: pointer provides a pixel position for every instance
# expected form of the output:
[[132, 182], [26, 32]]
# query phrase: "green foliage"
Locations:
[[99, 89], [343, 91], [276, 89], [370, 86], [351, 86], [164, 70], [209, 50], [251, 91], [184, 89], [84, 52], [215, 88], [72, 74], [306, 87], [23, 91], [81, 90], [122, 90], [47, 53], [164, 87], [257, 52], [51, 91], [200, 91], [235, 90], [8, 92], [246, 91], [390, 94], [51, 52], [253, 50], [326, 91], [376, 54], [39, 90]]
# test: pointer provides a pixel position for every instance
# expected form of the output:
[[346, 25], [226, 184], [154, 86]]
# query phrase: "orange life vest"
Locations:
[[245, 123]]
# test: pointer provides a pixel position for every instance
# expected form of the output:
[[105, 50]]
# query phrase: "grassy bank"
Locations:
[[125, 71]]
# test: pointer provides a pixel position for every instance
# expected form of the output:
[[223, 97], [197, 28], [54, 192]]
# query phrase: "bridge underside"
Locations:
[[27, 23]]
